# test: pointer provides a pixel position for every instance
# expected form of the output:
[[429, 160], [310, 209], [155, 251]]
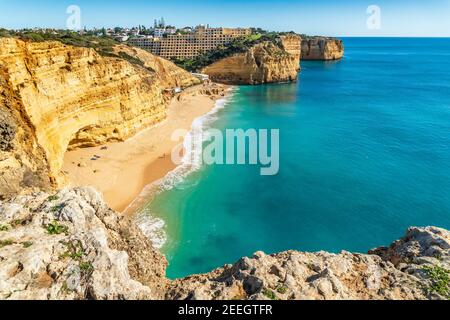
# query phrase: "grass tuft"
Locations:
[[5, 243], [282, 289], [86, 268], [52, 198], [270, 294], [55, 228], [440, 278], [27, 244], [74, 251]]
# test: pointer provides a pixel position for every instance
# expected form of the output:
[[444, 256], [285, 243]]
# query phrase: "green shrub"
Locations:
[[282, 289], [5, 33], [27, 244], [55, 228], [270, 294], [52, 198], [4, 227], [5, 243], [74, 251], [33, 37], [440, 279], [86, 268]]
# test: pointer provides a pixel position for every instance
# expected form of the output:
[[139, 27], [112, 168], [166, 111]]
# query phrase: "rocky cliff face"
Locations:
[[54, 97], [319, 48], [266, 62], [22, 161], [292, 44], [70, 245]]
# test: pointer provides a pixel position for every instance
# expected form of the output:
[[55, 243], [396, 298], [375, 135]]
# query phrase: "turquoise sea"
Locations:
[[365, 153]]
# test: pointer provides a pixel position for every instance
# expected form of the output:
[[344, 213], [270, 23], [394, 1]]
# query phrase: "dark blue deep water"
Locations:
[[365, 153]]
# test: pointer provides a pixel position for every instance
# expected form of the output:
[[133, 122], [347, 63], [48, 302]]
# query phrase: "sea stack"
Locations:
[[321, 48]]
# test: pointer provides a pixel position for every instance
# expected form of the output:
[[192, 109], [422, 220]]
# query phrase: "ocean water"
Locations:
[[365, 153]]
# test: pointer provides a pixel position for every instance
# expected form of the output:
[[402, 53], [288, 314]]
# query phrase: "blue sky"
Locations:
[[328, 17]]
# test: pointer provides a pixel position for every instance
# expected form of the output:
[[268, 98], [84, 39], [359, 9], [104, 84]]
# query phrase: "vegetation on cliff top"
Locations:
[[238, 45], [440, 278], [104, 45], [101, 44]]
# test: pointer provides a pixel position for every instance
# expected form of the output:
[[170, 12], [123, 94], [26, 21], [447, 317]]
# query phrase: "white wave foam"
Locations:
[[192, 161], [153, 228]]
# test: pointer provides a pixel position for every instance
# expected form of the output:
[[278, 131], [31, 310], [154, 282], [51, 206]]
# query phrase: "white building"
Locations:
[[171, 30], [122, 38], [159, 32], [187, 30]]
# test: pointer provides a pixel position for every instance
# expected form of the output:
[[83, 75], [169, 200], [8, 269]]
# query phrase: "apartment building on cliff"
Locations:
[[189, 44]]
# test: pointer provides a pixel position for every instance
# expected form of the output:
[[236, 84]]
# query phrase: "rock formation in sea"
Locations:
[[266, 62], [55, 97], [70, 245], [321, 48]]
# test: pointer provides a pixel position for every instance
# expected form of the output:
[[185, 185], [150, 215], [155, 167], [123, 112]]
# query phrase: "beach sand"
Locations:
[[124, 169]]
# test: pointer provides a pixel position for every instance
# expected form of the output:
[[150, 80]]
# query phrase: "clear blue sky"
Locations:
[[327, 17]]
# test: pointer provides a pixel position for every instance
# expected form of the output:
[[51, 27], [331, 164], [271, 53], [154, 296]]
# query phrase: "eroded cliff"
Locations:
[[320, 48], [70, 245], [54, 97], [266, 62]]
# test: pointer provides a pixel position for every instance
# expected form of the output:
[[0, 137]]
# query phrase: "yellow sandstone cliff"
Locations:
[[319, 48], [55, 97], [266, 62]]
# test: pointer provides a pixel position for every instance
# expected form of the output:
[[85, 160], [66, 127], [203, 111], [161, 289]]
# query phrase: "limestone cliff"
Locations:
[[22, 161], [54, 97], [70, 245], [319, 48], [266, 62]]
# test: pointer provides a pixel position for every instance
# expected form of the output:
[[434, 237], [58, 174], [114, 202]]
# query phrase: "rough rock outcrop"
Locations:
[[70, 245], [266, 62], [319, 48], [420, 257], [54, 97]]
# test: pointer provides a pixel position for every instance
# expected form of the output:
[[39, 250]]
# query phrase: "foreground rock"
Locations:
[[321, 48], [72, 246], [266, 62], [55, 97], [295, 275]]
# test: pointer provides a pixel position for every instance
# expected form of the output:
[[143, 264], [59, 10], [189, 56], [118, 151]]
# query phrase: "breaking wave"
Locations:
[[153, 227]]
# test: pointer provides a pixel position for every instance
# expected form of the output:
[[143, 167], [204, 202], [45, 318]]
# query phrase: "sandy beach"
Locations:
[[123, 169]]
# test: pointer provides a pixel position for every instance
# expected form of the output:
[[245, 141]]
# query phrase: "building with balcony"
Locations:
[[188, 44]]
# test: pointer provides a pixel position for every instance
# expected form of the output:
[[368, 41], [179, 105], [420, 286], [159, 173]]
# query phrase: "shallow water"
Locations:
[[364, 154]]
